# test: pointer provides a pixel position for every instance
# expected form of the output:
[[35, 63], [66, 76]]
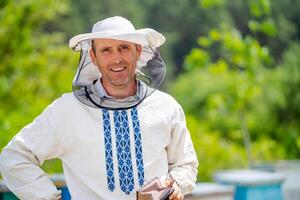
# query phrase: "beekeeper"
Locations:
[[114, 132]]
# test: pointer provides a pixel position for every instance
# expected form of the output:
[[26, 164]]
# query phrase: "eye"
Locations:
[[124, 47], [105, 50]]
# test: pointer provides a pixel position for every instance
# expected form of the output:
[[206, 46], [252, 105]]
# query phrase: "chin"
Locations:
[[120, 83]]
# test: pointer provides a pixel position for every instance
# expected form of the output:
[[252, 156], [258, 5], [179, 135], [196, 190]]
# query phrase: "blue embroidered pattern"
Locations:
[[108, 150], [138, 145], [123, 151]]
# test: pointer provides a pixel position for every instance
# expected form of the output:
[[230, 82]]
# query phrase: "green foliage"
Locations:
[[228, 44], [266, 26], [208, 4], [83, 14], [259, 8], [289, 115], [229, 99], [213, 151], [262, 21], [35, 68], [235, 89], [182, 22]]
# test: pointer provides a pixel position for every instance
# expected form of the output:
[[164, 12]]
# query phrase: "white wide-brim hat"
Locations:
[[118, 28]]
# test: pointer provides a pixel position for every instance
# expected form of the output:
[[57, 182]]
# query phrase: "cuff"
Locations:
[[41, 189], [185, 185]]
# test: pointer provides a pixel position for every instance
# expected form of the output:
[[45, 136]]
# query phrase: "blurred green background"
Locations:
[[233, 65]]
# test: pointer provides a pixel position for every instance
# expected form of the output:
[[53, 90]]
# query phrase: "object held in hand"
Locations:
[[154, 190]]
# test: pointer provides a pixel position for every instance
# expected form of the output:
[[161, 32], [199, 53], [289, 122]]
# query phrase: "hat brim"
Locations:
[[143, 37]]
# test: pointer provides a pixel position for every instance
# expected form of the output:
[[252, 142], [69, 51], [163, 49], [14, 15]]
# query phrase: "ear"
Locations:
[[93, 56], [139, 50]]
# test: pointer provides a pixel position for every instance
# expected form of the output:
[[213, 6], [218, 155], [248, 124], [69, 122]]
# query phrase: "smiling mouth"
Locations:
[[118, 69]]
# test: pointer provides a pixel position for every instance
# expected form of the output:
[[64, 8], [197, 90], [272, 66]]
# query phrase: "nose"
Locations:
[[116, 57]]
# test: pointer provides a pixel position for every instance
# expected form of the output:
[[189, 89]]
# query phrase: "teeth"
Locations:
[[118, 69]]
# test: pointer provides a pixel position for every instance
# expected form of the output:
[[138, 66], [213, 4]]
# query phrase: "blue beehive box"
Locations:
[[60, 183], [253, 184]]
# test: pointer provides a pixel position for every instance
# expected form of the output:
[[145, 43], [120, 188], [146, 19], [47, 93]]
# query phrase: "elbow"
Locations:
[[3, 162], [6, 162], [11, 161]]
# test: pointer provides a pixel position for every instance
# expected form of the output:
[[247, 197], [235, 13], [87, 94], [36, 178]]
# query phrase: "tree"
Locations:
[[237, 91], [35, 67]]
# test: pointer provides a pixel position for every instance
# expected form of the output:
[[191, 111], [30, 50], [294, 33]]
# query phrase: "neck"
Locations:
[[120, 91]]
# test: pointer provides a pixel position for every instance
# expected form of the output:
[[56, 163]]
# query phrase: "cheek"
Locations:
[[101, 61], [133, 58]]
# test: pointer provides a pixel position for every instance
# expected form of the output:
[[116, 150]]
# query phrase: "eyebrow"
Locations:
[[105, 47], [108, 47]]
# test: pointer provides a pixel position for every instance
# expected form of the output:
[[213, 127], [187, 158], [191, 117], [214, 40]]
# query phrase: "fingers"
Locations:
[[176, 195], [167, 182]]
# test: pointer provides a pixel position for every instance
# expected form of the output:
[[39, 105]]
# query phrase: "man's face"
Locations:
[[116, 61]]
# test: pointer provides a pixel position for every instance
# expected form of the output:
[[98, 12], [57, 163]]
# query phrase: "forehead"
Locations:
[[104, 42]]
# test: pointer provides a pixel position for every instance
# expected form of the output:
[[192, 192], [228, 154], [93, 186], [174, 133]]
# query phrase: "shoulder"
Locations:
[[66, 98], [163, 106], [67, 102], [163, 98], [161, 101], [65, 110]]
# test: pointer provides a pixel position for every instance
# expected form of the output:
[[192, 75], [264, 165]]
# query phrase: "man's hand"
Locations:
[[177, 194]]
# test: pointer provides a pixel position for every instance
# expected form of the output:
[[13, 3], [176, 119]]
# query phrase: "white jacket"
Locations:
[[106, 154]]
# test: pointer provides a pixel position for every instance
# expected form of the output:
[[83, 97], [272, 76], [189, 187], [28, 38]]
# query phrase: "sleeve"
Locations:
[[182, 158], [21, 159]]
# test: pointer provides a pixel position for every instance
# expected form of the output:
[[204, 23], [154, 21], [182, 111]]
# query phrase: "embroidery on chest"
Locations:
[[123, 149]]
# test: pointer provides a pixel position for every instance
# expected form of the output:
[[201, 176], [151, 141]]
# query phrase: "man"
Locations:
[[115, 132]]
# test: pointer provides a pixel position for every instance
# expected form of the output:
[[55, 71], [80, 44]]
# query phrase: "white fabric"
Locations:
[[73, 132]]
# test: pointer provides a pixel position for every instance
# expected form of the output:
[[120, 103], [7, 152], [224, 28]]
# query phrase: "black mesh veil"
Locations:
[[150, 74]]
